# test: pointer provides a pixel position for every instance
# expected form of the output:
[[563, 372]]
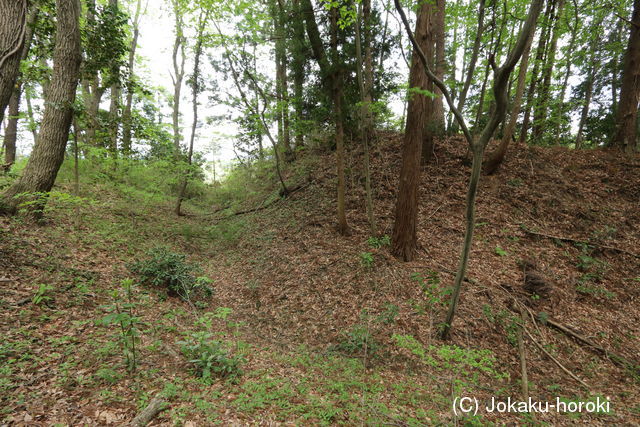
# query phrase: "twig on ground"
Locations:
[[556, 361]]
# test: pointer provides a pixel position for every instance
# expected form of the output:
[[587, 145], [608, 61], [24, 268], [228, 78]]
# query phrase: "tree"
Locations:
[[195, 90], [333, 75], [11, 132], [13, 16], [178, 58], [477, 146], [126, 114], [404, 240], [627, 115], [365, 110], [48, 153], [495, 159]]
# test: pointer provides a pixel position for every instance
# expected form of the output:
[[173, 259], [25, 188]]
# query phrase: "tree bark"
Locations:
[[204, 16], [282, 82], [126, 115], [48, 153], [11, 132], [626, 119], [297, 67], [364, 116], [434, 123], [332, 76], [496, 158], [542, 104], [477, 147], [474, 59], [114, 106], [404, 241], [542, 43], [178, 71], [13, 17]]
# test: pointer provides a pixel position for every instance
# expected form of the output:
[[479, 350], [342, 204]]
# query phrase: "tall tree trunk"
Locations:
[[48, 153], [434, 124], [561, 106], [297, 67], [11, 130], [126, 115], [11, 133], [588, 92], [178, 58], [333, 76], [473, 61], [92, 91], [542, 104], [540, 50], [500, 84], [195, 89], [13, 27], [497, 157], [404, 240], [33, 127], [283, 87], [114, 106], [337, 95], [368, 65], [440, 64], [364, 116], [615, 39], [626, 119]]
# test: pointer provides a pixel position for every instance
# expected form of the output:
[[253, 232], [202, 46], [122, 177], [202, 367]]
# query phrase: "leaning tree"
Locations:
[[48, 153]]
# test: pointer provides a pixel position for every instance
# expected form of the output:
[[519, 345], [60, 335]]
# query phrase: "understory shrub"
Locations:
[[169, 270], [211, 358]]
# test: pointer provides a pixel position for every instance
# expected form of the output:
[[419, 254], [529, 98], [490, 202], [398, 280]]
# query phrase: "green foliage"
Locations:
[[465, 362], [433, 295], [171, 271], [389, 315], [122, 314], [366, 259], [43, 295], [357, 340], [501, 252], [378, 242], [211, 358], [46, 202]]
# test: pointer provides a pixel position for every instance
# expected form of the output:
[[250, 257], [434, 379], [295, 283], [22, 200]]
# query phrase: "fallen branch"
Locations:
[[616, 358], [156, 406], [569, 239], [523, 358], [556, 361]]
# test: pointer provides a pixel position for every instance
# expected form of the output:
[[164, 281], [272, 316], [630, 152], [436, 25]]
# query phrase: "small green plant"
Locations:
[[389, 315], [378, 242], [366, 259], [500, 252], [122, 313], [211, 358], [42, 295], [108, 375], [434, 295], [357, 339], [465, 362], [171, 271]]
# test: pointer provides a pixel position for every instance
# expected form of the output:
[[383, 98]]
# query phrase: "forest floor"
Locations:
[[334, 330]]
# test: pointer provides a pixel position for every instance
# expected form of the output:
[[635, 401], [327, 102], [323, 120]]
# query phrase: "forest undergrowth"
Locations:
[[251, 309]]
